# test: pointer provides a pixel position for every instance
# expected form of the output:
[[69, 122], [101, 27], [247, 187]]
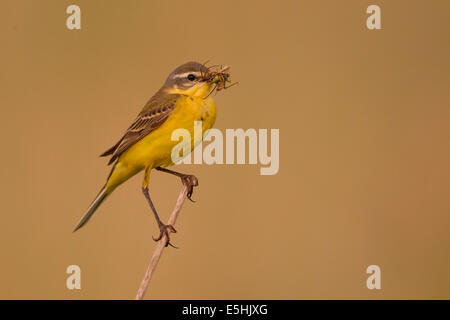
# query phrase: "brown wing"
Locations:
[[155, 112]]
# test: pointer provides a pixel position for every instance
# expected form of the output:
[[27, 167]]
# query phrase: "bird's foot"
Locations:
[[164, 230], [190, 181]]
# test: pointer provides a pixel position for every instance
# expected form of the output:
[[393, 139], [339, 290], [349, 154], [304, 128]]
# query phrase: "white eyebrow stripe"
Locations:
[[184, 75]]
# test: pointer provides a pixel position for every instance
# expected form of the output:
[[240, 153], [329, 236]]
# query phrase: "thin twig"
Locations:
[[161, 245]]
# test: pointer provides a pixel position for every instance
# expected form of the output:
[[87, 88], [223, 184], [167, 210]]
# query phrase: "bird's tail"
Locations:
[[92, 208]]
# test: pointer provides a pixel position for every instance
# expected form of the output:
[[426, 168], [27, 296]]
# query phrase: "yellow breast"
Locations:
[[155, 149]]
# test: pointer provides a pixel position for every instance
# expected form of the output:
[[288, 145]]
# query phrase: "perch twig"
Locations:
[[161, 245]]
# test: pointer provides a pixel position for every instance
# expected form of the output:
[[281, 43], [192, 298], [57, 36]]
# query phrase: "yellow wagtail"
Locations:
[[147, 144]]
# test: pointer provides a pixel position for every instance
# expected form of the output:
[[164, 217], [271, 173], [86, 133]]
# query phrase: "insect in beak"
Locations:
[[220, 78]]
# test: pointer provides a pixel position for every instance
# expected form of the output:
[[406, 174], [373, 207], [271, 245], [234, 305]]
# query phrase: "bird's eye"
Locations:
[[191, 77]]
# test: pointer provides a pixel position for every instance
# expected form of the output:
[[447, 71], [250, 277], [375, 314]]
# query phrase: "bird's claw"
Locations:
[[190, 181], [164, 229]]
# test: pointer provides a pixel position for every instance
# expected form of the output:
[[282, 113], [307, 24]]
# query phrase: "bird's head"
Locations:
[[195, 79]]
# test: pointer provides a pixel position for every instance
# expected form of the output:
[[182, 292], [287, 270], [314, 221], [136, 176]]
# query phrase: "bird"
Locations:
[[184, 98]]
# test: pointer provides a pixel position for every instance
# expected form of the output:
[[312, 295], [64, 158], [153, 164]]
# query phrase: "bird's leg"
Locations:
[[189, 180], [164, 229]]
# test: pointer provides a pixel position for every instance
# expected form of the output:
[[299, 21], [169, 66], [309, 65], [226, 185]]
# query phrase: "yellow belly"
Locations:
[[155, 149]]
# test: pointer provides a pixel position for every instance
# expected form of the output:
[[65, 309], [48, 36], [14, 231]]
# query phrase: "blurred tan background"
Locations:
[[364, 149]]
